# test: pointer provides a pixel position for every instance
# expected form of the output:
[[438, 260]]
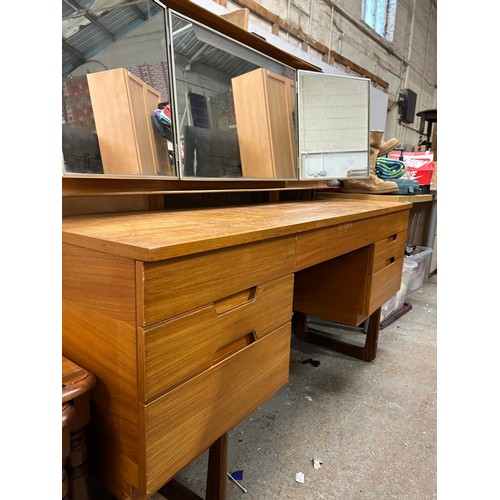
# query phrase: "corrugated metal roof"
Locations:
[[88, 26]]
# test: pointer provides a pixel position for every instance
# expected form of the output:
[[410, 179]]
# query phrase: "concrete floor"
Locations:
[[373, 425]]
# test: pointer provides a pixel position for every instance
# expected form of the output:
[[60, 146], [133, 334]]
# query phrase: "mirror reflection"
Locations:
[[234, 107], [202, 106], [334, 133], [116, 117]]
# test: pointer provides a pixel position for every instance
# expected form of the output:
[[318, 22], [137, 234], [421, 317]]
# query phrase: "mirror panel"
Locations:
[[152, 93], [234, 107], [334, 130], [116, 90]]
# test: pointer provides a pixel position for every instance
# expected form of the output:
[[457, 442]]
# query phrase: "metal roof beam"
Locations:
[[93, 19], [74, 51]]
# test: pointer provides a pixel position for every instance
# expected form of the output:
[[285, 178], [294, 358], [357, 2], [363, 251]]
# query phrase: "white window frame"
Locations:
[[380, 15]]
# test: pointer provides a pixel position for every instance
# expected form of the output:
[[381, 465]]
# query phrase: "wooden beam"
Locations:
[[239, 17]]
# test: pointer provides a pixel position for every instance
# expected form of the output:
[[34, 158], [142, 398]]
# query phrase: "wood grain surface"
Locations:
[[172, 233]]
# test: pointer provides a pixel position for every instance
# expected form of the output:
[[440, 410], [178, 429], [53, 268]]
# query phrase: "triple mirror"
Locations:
[[149, 92]]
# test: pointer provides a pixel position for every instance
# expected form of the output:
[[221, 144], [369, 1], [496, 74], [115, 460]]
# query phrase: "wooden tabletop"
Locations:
[[413, 198], [165, 234]]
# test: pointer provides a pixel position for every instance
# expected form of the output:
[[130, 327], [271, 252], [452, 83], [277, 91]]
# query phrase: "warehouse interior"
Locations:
[[242, 252]]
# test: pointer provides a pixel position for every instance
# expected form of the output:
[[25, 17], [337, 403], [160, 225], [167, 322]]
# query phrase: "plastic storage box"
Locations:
[[396, 302], [415, 267], [422, 257]]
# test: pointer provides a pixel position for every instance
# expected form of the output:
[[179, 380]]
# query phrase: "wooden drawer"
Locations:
[[392, 224], [184, 422], [186, 345], [384, 284], [344, 289], [172, 287], [320, 245], [335, 289], [388, 250]]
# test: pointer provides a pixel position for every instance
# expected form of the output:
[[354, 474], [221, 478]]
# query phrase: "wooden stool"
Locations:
[[68, 414], [76, 386]]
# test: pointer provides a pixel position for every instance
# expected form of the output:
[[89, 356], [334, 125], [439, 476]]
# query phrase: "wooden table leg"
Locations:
[[216, 477], [300, 324], [76, 386], [368, 352], [68, 414], [174, 490], [217, 470]]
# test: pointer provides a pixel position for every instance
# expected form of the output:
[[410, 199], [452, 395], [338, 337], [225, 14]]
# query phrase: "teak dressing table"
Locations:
[[184, 317]]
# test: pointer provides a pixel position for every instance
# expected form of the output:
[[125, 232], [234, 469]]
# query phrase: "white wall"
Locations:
[[410, 61]]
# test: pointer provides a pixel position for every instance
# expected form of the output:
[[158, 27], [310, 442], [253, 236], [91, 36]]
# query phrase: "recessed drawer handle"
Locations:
[[233, 347], [237, 299], [394, 237], [390, 261]]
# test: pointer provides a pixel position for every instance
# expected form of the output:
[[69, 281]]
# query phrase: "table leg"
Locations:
[[368, 352], [68, 414], [216, 476], [77, 466], [217, 470]]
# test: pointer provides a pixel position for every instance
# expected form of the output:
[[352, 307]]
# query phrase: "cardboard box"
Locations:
[[434, 180]]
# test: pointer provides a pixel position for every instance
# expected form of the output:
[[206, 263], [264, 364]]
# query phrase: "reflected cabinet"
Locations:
[[158, 94]]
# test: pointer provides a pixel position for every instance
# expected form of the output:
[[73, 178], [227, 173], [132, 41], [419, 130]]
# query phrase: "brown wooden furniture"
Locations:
[[77, 384], [184, 317], [266, 133], [122, 105], [422, 225], [68, 414]]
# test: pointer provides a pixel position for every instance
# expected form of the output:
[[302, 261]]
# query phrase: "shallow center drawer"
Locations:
[[174, 286], [177, 349]]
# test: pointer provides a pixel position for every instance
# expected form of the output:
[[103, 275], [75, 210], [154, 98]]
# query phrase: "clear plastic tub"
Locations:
[[421, 256], [396, 302]]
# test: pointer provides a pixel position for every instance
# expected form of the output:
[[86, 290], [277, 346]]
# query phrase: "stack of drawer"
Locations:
[[351, 285], [211, 343]]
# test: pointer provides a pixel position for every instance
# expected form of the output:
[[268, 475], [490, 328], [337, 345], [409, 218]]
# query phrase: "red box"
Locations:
[[419, 166]]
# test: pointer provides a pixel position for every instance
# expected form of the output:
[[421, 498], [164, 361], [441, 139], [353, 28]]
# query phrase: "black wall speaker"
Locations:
[[408, 101]]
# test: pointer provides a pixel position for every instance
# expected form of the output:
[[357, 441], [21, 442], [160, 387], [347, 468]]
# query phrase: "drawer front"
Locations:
[[183, 423], [186, 345], [391, 224], [384, 285], [388, 250], [320, 245], [172, 287]]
